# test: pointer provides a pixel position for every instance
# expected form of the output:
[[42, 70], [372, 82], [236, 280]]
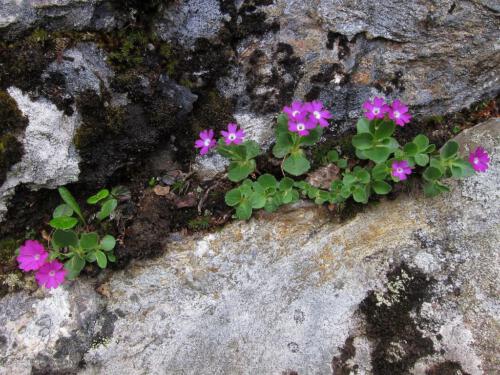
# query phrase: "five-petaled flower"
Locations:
[[51, 274], [206, 141], [318, 114], [233, 134], [375, 109], [398, 112], [301, 125], [401, 169], [479, 159], [295, 111], [32, 256]]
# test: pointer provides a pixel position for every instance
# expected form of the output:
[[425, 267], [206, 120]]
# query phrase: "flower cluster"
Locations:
[[303, 117], [33, 257], [233, 135], [378, 108], [479, 159]]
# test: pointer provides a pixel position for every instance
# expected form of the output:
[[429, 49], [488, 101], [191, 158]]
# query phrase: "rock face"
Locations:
[[406, 286]]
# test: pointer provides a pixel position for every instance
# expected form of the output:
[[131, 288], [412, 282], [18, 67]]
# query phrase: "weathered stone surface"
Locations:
[[406, 286], [50, 159]]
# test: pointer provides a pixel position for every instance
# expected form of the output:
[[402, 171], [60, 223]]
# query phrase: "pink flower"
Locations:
[[206, 141], [318, 114], [233, 134], [375, 109], [301, 125], [398, 112], [295, 111], [400, 169], [32, 255], [51, 274], [479, 159]]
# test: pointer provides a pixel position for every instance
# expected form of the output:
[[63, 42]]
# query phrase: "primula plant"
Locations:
[[382, 160], [74, 240]]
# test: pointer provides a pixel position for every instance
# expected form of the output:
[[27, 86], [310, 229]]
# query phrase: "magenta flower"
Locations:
[[479, 159], [398, 112], [400, 169], [301, 125], [375, 109], [318, 114], [233, 134], [51, 274], [295, 111], [32, 255], [206, 141]]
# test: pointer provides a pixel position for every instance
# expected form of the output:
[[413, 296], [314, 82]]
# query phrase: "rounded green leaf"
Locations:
[[244, 210], [286, 184], [342, 163], [422, 159], [380, 171], [74, 266], [332, 156], [62, 210], [421, 141], [282, 123], [360, 195], [107, 208], [252, 149], [363, 125], [449, 150], [362, 141], [283, 145], [313, 137], [296, 164], [108, 243], [102, 194], [378, 154], [63, 222], [111, 257], [89, 240], [267, 181], [432, 173], [233, 197], [68, 198], [240, 170], [381, 187], [102, 260], [385, 130], [410, 149], [65, 238], [257, 200], [362, 175]]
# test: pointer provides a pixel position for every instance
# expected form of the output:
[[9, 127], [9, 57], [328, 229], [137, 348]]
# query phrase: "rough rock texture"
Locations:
[[50, 159], [406, 286]]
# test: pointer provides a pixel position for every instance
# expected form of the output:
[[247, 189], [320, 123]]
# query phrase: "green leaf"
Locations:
[[362, 141], [430, 149], [433, 188], [283, 145], [363, 125], [422, 159], [380, 171], [102, 260], [240, 170], [233, 197], [290, 196], [102, 194], [348, 179], [432, 173], [313, 137], [63, 222], [65, 238], [410, 149], [286, 184], [449, 150], [70, 201], [385, 130], [332, 156], [267, 181], [62, 210], [461, 168], [108, 243], [229, 151], [282, 123], [342, 163], [360, 195], [252, 149], [90, 257], [244, 210], [257, 200], [378, 154], [121, 192], [381, 187], [362, 175], [89, 240], [421, 141], [296, 164], [111, 257], [74, 266], [107, 208]]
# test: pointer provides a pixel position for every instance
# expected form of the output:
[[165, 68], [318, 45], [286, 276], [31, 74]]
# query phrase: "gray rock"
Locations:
[[17, 16], [50, 158], [406, 286]]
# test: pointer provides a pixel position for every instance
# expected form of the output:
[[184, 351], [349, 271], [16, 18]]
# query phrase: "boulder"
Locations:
[[404, 286]]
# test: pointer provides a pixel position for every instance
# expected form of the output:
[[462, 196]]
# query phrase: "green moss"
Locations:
[[8, 247], [128, 48], [199, 223], [39, 36]]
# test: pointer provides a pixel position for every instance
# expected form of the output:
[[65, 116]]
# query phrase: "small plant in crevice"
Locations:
[[381, 160], [74, 240]]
